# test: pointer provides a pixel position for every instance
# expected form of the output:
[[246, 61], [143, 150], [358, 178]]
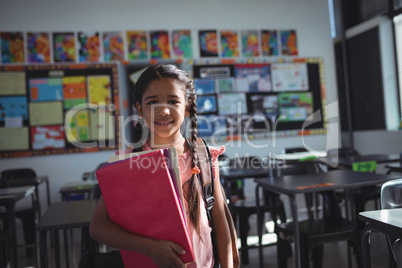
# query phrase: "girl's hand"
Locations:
[[165, 254]]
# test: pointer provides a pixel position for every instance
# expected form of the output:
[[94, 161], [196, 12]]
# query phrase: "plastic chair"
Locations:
[[27, 216], [316, 230], [391, 197], [244, 206]]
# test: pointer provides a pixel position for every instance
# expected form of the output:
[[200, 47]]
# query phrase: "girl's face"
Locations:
[[163, 107]]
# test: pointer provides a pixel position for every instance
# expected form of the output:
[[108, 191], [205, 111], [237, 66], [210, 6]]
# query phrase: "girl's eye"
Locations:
[[152, 102], [173, 102]]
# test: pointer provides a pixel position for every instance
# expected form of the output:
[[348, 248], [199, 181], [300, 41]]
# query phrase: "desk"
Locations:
[[76, 187], [397, 168], [387, 221], [63, 216], [347, 162], [291, 185], [8, 198], [16, 182]]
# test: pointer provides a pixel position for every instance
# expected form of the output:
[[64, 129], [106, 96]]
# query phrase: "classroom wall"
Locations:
[[309, 17]]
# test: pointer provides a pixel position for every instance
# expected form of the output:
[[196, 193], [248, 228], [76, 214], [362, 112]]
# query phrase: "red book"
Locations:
[[141, 196]]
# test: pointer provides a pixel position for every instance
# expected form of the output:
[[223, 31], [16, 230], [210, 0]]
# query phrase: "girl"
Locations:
[[164, 95]]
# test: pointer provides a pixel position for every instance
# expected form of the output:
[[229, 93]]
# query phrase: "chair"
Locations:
[[244, 207], [27, 216], [391, 197], [295, 150], [315, 231]]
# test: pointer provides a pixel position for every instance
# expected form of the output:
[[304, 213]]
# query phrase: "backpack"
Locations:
[[206, 178]]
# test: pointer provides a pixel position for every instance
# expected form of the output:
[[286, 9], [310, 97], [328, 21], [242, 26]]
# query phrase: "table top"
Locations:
[[241, 173], [65, 215], [334, 179], [77, 186], [394, 166], [390, 219], [348, 161], [15, 193]]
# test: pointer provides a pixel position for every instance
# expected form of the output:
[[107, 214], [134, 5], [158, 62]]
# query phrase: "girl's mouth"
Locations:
[[163, 123]]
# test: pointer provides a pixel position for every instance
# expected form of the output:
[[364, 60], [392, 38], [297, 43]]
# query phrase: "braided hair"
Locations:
[[156, 72]]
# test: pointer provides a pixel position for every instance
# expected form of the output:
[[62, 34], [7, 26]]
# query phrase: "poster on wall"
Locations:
[[47, 137], [74, 91], [160, 47], [14, 111], [99, 90], [208, 42], [295, 106], [249, 42], [45, 89], [269, 43], [253, 77], [137, 45], [113, 46], [289, 76], [88, 46], [64, 47], [181, 44], [12, 47], [12, 83], [38, 47], [289, 43], [229, 44]]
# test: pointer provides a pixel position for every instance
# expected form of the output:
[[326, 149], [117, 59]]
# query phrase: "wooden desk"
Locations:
[[291, 185], [387, 221], [63, 216], [16, 182], [8, 198], [76, 187]]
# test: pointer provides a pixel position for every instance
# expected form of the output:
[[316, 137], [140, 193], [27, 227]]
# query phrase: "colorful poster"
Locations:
[[101, 125], [113, 46], [211, 125], [78, 127], [264, 108], [249, 41], [269, 43], [137, 45], [99, 89], [229, 44], [295, 106], [50, 137], [46, 113], [289, 43], [208, 41], [253, 77], [38, 46], [45, 89], [160, 48], [13, 111], [289, 76], [12, 83], [74, 91], [206, 104], [232, 103], [225, 84], [14, 139], [88, 47], [12, 47], [182, 46], [204, 86], [63, 47]]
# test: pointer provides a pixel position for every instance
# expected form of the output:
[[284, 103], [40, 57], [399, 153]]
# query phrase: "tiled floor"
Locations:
[[335, 255]]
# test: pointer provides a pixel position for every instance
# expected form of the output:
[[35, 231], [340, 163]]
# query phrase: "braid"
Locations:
[[194, 188]]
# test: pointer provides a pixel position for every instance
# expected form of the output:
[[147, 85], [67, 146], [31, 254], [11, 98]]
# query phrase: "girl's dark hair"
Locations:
[[156, 72]]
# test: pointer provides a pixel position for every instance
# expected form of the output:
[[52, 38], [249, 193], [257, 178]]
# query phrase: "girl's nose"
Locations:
[[164, 110]]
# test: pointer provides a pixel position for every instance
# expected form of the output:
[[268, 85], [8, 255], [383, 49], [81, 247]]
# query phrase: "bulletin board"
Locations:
[[57, 109], [260, 99]]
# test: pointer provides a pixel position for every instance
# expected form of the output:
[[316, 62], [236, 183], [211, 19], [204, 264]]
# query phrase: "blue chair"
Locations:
[[391, 197]]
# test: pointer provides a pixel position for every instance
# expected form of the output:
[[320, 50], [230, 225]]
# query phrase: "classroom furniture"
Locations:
[[291, 150], [27, 177], [8, 198], [387, 221], [243, 207], [77, 187], [291, 185], [347, 161], [64, 216], [316, 230], [397, 168]]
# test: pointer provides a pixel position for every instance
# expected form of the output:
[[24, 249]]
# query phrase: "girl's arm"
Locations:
[[102, 229], [222, 233]]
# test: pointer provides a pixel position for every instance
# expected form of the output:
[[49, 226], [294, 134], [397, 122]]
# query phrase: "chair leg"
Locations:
[[28, 224], [282, 253], [317, 256]]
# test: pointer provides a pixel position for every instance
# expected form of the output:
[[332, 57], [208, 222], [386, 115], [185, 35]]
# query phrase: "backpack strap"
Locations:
[[206, 177]]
